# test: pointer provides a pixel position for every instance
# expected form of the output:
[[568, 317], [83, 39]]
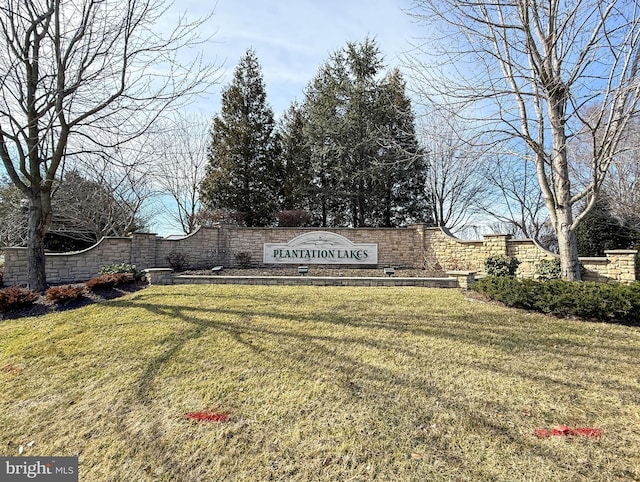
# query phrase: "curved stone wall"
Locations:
[[416, 246]]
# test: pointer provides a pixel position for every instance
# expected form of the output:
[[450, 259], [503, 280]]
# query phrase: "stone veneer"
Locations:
[[416, 246]]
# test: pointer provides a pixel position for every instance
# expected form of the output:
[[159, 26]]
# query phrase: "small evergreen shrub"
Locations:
[[16, 297], [178, 261], [244, 259], [501, 265], [121, 268], [109, 281], [64, 294], [610, 302], [548, 269]]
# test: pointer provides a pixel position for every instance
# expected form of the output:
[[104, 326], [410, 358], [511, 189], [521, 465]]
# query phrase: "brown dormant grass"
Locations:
[[320, 383]]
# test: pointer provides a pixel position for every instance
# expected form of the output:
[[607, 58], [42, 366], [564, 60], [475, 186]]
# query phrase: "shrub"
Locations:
[[64, 294], [501, 265], [16, 297], [109, 281], [178, 261], [610, 302], [121, 268], [293, 217], [548, 269], [244, 259]]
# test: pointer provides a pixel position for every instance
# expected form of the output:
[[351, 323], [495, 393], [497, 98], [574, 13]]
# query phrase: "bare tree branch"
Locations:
[[82, 75], [529, 73]]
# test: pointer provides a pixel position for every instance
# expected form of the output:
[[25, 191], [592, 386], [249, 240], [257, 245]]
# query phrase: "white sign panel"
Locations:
[[320, 247]]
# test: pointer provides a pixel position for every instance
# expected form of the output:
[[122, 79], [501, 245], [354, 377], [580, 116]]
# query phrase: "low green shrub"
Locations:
[[16, 297], [610, 302], [548, 269], [109, 281], [64, 294], [501, 265], [121, 268]]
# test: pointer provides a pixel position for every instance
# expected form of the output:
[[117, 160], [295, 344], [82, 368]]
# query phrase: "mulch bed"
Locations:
[[42, 306]]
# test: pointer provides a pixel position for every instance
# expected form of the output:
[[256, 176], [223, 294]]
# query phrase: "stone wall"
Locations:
[[69, 267], [417, 247]]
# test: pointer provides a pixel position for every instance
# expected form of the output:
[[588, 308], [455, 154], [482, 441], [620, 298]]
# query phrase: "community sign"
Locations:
[[320, 247]]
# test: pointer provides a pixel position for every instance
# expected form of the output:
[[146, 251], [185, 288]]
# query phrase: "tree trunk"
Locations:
[[567, 247], [36, 276]]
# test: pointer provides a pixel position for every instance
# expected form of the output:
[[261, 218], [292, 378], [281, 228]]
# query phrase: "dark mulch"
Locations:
[[42, 306]]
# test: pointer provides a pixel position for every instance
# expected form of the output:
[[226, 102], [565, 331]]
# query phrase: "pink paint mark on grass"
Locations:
[[207, 416], [564, 431]]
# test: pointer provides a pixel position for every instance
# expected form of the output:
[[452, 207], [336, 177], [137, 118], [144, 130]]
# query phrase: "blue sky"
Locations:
[[292, 38]]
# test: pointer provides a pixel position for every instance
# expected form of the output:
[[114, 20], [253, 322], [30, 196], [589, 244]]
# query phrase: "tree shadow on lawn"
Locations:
[[360, 382], [298, 346]]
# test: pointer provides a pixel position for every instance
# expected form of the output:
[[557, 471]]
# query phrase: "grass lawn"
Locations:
[[321, 383]]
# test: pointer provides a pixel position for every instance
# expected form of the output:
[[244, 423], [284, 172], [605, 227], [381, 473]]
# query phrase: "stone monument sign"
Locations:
[[320, 247]]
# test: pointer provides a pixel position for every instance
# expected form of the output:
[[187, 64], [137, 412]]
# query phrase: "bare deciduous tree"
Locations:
[[111, 195], [454, 183], [539, 73], [182, 157], [80, 75], [516, 198]]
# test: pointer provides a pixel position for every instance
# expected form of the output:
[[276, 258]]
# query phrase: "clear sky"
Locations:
[[292, 38]]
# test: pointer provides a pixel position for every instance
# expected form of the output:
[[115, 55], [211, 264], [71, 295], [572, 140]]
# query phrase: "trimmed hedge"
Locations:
[[610, 302]]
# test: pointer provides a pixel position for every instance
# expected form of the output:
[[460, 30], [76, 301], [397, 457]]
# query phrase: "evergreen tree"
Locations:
[[601, 230], [295, 160], [243, 171], [325, 111], [403, 166], [368, 169]]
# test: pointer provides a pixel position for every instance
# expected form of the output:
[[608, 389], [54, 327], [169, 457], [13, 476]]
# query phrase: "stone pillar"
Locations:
[[159, 276], [15, 266], [495, 244], [465, 278], [143, 250], [622, 264]]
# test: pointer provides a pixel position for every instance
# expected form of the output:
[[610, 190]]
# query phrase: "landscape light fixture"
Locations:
[[216, 269], [302, 270], [389, 271]]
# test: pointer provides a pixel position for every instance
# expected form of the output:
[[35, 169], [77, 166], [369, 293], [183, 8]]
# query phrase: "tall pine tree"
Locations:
[[243, 172], [368, 168], [295, 159]]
